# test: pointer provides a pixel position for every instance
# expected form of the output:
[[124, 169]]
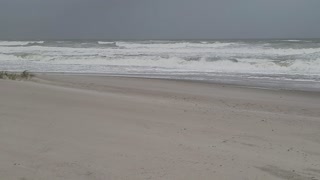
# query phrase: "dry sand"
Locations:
[[89, 127]]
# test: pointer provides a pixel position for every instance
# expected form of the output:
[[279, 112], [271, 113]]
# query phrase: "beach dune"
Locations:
[[80, 127]]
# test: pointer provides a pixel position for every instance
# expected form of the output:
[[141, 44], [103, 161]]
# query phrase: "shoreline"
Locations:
[[95, 127], [291, 86]]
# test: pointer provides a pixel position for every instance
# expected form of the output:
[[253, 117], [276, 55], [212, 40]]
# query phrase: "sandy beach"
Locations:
[[76, 127]]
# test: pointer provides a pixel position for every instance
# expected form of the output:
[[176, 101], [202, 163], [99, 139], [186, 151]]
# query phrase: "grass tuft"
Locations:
[[25, 75]]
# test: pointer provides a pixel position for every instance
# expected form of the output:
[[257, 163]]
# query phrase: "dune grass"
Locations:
[[25, 75]]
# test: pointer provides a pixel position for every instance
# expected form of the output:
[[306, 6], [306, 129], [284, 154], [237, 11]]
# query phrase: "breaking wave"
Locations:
[[19, 43], [229, 57]]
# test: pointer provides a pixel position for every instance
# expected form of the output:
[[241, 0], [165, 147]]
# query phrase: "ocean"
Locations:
[[282, 64]]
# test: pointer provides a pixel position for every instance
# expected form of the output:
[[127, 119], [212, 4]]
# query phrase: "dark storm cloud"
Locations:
[[159, 19]]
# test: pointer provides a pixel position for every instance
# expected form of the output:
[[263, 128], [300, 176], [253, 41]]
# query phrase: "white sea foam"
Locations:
[[161, 57], [18, 43], [103, 42], [292, 40], [168, 44]]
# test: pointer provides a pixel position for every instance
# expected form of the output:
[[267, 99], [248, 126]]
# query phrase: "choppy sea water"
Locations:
[[291, 64]]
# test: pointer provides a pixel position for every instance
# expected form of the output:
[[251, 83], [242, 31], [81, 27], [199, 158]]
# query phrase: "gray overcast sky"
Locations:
[[159, 19]]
